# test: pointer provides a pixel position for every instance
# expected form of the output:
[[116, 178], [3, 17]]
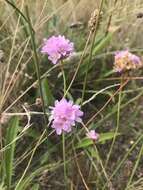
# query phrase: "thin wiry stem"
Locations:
[[123, 160], [117, 128], [91, 50], [78, 66], [135, 167], [33, 84], [64, 76], [98, 157], [64, 157], [14, 78], [93, 117], [79, 170], [63, 135], [9, 60], [30, 160], [36, 61]]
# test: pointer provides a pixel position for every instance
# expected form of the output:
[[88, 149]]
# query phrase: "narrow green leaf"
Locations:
[[35, 187], [11, 134], [105, 41], [47, 94], [85, 142], [99, 45], [107, 136], [93, 152]]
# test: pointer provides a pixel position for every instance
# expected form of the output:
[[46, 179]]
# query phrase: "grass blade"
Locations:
[[11, 134]]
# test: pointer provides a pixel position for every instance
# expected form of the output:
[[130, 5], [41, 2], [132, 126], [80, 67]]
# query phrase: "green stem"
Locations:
[[117, 128], [90, 55], [64, 77], [135, 167], [87, 69], [63, 135], [22, 21], [64, 157], [30, 160], [123, 160], [36, 61]]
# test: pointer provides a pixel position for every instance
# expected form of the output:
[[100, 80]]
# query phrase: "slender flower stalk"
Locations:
[[93, 33], [63, 135], [117, 125], [63, 116], [36, 61], [58, 48], [64, 76]]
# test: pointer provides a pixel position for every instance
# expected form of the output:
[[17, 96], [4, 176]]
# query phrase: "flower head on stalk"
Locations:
[[92, 135], [57, 48], [125, 61], [64, 115]]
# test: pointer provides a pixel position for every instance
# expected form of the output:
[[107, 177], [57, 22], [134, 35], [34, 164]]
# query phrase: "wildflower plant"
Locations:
[[126, 61], [64, 116], [97, 165], [57, 48]]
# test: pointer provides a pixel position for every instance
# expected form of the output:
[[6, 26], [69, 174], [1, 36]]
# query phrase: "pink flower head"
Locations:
[[64, 115], [124, 60], [92, 135], [57, 48]]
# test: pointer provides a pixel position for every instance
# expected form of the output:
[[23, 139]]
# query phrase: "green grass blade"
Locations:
[[85, 142], [11, 134], [104, 42], [47, 94]]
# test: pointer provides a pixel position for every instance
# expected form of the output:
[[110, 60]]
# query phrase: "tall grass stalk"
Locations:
[[99, 160], [79, 170], [91, 50], [9, 60], [14, 78], [117, 127], [124, 159], [36, 61], [29, 88], [80, 62], [108, 101], [135, 167], [30, 160]]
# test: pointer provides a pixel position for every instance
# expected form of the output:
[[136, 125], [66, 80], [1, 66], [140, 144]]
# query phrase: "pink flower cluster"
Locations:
[[64, 115], [57, 48], [124, 61], [92, 135]]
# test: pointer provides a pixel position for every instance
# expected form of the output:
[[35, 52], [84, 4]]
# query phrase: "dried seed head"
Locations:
[[26, 105], [4, 118], [93, 19], [38, 102], [28, 76], [44, 179]]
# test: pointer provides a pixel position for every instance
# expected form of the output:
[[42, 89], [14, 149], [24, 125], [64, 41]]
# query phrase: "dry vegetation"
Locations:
[[28, 159]]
